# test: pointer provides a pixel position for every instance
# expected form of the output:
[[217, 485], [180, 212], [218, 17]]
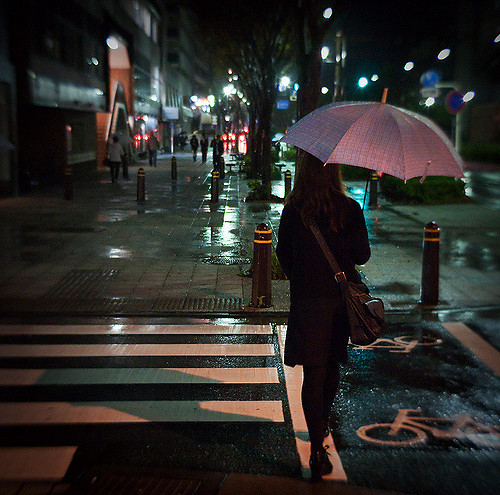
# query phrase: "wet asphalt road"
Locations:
[[420, 367]]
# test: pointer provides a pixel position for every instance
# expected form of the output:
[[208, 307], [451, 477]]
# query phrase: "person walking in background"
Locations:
[[220, 152], [194, 146], [115, 155], [126, 142], [214, 144], [204, 147], [153, 146], [318, 330]]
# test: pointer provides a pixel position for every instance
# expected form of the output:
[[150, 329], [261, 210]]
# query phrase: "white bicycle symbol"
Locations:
[[404, 344], [415, 429]]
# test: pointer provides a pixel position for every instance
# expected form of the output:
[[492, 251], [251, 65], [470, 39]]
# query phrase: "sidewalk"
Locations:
[[103, 253]]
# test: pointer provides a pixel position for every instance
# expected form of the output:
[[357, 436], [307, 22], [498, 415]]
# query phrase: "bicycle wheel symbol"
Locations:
[[379, 434]]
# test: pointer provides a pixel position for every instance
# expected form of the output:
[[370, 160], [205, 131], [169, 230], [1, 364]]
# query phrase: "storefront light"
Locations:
[[112, 42]]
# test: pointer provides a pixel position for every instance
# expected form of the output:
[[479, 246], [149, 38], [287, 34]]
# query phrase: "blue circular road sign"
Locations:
[[454, 102], [430, 78]]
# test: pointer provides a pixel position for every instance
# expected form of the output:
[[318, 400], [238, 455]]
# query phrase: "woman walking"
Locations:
[[318, 332]]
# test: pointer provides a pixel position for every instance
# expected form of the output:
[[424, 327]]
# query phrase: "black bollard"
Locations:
[[141, 185], [373, 201], [261, 272], [288, 182], [68, 183], [215, 186], [222, 167], [429, 289], [174, 168]]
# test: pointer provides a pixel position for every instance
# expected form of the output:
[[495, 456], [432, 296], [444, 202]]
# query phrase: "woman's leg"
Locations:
[[313, 403], [331, 384]]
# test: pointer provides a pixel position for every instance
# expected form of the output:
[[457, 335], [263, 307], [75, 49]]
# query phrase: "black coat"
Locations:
[[317, 326]]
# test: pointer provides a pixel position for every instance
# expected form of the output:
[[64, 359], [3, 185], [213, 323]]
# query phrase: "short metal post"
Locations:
[[373, 190], [215, 186], [222, 167], [174, 168], [141, 185], [288, 182], [68, 183], [429, 290], [261, 270]]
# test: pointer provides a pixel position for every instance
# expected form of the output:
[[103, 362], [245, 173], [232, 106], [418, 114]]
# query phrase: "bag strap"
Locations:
[[339, 274]]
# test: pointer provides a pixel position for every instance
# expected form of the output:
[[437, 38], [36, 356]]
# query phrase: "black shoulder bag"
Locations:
[[365, 313]]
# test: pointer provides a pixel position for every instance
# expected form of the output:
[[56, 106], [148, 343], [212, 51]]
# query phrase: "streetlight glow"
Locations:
[[285, 81], [363, 81], [324, 90], [227, 89], [468, 96], [444, 53], [112, 42], [325, 51], [327, 13], [409, 66], [430, 101], [374, 77]]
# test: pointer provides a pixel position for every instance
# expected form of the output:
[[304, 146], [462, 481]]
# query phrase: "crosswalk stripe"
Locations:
[[47, 413], [128, 350], [77, 376], [35, 463], [483, 350], [11, 329]]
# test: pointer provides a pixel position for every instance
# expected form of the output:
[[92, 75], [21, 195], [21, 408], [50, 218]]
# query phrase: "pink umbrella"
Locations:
[[377, 136]]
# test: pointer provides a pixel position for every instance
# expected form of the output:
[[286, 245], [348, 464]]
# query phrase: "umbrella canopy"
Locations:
[[377, 136]]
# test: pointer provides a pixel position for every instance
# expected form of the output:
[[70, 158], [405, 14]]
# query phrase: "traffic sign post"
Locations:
[[454, 102]]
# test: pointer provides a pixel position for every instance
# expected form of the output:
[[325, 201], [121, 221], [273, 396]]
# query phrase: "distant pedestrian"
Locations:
[[115, 156], [318, 328], [153, 146], [126, 142], [204, 147], [194, 146], [214, 144], [220, 152]]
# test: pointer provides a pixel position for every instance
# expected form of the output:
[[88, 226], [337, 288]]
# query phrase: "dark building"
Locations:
[[77, 72]]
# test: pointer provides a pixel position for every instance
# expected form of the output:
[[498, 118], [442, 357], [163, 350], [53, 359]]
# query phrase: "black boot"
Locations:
[[319, 464]]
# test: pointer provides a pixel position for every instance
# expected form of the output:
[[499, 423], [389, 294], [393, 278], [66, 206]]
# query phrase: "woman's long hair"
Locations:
[[318, 193]]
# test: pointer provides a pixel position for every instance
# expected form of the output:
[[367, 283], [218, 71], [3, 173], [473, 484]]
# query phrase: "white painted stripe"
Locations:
[[293, 379], [44, 413], [135, 329], [35, 463], [483, 350], [84, 376], [129, 350]]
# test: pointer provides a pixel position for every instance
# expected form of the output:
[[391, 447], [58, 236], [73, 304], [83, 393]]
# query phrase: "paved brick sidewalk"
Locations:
[[105, 253]]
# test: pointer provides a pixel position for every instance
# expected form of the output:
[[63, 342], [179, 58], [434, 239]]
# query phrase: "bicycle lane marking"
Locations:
[[484, 351], [293, 378]]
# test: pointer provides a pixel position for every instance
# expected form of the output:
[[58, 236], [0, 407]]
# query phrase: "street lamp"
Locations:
[[363, 81]]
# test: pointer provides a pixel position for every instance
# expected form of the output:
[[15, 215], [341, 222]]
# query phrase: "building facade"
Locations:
[[77, 72]]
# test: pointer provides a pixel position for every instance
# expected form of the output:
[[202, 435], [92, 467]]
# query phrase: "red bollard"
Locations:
[[429, 289], [261, 274]]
